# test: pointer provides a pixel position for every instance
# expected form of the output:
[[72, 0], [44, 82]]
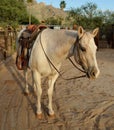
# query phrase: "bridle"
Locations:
[[51, 64], [76, 46]]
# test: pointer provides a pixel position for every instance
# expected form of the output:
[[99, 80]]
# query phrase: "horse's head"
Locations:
[[85, 53]]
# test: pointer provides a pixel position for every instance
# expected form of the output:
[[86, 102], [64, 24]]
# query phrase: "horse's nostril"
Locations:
[[93, 73]]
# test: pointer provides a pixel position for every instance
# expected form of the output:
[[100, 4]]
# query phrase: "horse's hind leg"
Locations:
[[33, 83], [51, 82], [37, 81]]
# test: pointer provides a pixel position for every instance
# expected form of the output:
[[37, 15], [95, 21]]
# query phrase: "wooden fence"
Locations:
[[7, 42]]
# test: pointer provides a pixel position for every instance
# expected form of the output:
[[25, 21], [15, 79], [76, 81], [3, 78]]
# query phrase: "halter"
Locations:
[[69, 60]]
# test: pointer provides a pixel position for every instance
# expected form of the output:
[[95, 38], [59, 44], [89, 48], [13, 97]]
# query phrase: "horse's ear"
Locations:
[[95, 32], [80, 31]]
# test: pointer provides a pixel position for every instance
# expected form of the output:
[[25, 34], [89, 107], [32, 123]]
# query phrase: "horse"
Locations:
[[50, 49]]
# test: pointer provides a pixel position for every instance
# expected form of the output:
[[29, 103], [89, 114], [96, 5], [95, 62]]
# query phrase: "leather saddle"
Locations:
[[26, 42]]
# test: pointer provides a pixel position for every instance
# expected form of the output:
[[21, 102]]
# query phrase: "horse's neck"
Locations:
[[72, 48], [67, 50], [64, 47]]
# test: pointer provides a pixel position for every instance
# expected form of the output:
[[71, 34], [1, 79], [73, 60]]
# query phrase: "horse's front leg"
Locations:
[[51, 82], [26, 91], [37, 81]]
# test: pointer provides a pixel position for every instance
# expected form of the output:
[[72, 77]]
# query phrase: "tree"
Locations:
[[12, 11], [62, 4], [75, 15], [87, 15], [54, 21], [89, 9], [108, 17]]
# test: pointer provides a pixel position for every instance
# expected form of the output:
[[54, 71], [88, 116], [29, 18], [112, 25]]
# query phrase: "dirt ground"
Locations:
[[80, 104]]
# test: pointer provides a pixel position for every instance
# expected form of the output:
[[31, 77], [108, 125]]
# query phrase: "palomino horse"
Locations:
[[55, 46]]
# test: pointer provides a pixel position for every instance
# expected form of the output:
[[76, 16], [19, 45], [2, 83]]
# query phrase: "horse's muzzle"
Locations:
[[92, 73]]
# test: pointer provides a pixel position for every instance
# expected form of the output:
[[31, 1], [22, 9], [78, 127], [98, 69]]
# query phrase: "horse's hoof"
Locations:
[[39, 116], [52, 116]]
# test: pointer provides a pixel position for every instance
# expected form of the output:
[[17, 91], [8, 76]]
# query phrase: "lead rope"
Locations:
[[77, 77]]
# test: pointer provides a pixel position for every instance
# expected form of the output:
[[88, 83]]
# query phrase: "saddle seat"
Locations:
[[26, 42]]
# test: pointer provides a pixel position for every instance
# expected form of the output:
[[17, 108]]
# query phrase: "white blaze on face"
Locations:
[[93, 48]]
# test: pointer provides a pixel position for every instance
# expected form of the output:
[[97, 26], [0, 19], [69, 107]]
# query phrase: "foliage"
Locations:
[[90, 17], [108, 17], [54, 21], [29, 1], [13, 12], [25, 20], [62, 4], [89, 9]]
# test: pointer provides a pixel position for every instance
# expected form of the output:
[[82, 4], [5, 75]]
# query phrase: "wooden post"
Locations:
[[6, 39], [7, 43], [113, 36]]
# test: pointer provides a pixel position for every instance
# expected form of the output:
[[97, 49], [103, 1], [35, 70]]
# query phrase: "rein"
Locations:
[[76, 65], [77, 77]]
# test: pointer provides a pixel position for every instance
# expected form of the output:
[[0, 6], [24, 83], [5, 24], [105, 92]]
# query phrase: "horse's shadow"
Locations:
[[20, 80]]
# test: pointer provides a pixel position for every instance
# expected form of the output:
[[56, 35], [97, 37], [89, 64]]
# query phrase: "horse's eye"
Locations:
[[83, 48]]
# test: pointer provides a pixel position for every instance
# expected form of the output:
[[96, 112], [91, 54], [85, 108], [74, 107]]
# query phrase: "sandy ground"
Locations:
[[80, 104]]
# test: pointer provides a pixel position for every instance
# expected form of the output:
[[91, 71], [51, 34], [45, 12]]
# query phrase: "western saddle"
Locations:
[[26, 42]]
